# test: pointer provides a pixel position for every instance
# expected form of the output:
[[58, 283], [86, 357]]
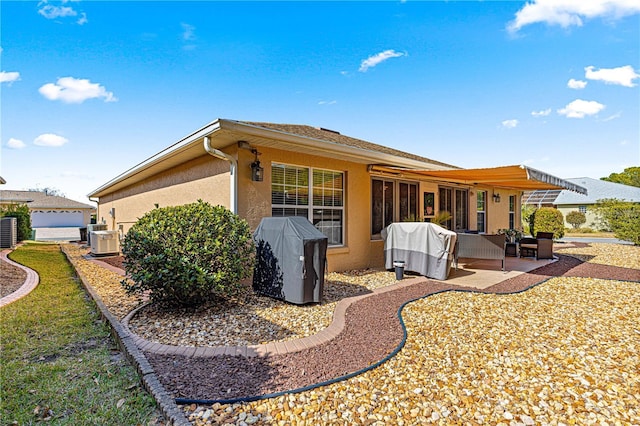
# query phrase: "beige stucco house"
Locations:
[[348, 188], [50, 211], [567, 201]]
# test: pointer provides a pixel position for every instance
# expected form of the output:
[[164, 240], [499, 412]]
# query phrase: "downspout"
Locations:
[[233, 166]]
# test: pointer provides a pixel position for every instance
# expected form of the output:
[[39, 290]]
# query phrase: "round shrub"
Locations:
[[547, 219], [188, 255], [576, 218]]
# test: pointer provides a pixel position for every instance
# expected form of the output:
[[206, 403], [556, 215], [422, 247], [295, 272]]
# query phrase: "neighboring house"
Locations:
[[348, 188], [50, 211], [568, 201]]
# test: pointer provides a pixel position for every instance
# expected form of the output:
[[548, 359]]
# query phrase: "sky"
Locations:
[[89, 89]]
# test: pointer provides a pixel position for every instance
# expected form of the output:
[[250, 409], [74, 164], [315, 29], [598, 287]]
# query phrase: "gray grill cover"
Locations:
[[291, 259], [426, 248]]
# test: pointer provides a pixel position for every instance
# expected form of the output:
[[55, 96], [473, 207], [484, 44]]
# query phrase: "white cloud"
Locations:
[[580, 108], [613, 117], [83, 19], [576, 84], [510, 124], [541, 113], [376, 59], [327, 102], [15, 143], [568, 13], [50, 139], [623, 76], [9, 77], [73, 90], [188, 32], [50, 11]]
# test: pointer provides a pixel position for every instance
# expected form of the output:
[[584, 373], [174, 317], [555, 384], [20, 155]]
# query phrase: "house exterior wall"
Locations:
[[205, 178], [592, 219], [208, 178]]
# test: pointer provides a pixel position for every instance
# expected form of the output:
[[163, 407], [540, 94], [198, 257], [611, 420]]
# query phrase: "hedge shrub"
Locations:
[[21, 212], [547, 219], [188, 255], [622, 217]]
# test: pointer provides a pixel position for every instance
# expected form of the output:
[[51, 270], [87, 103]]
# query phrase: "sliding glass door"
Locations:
[[456, 202]]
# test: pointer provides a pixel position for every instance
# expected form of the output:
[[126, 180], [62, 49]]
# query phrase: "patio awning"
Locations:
[[512, 177]]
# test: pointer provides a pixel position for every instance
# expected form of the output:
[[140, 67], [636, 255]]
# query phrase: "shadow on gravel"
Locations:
[[220, 377]]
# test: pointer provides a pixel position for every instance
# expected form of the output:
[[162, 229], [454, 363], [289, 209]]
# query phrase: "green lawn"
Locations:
[[58, 361]]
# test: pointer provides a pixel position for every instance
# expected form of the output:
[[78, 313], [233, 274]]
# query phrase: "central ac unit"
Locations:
[[104, 242]]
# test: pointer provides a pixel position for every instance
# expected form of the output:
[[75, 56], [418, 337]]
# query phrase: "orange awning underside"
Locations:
[[512, 177]]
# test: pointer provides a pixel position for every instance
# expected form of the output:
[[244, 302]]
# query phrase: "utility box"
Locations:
[[291, 259], [104, 243], [8, 232]]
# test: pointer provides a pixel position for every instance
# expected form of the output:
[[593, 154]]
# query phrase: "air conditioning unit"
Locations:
[[8, 232], [104, 242], [94, 227]]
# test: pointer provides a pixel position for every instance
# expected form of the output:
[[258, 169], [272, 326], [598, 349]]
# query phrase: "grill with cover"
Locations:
[[291, 259]]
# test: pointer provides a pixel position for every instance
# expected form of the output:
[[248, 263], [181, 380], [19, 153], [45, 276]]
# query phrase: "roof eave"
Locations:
[[290, 139]]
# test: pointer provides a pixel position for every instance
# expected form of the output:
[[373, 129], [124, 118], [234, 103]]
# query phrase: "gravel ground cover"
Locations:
[[562, 355], [105, 282]]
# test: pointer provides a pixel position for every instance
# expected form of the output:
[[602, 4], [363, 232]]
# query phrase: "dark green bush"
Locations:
[[621, 217], [188, 255], [547, 219], [21, 212], [576, 218]]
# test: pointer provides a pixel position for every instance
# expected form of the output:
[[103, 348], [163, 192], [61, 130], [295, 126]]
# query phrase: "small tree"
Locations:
[[188, 255], [622, 217], [547, 219], [576, 218], [525, 213], [22, 213]]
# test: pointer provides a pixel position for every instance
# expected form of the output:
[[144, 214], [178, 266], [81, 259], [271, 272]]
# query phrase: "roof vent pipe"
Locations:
[[233, 167]]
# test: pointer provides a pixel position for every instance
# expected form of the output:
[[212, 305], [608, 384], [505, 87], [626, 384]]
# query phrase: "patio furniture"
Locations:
[[425, 248], [481, 246], [540, 247]]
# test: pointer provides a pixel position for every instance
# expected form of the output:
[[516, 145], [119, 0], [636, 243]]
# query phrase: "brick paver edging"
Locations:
[[30, 283], [271, 348], [125, 341]]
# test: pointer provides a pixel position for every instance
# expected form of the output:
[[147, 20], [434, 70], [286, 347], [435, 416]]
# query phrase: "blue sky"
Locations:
[[89, 89]]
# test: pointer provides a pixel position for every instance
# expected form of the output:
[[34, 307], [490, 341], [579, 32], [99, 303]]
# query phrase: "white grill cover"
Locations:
[[426, 248]]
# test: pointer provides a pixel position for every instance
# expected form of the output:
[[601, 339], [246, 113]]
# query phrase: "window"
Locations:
[[481, 207], [291, 187], [392, 201], [512, 212], [582, 209]]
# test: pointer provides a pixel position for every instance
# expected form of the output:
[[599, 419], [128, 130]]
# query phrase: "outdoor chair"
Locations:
[[541, 247]]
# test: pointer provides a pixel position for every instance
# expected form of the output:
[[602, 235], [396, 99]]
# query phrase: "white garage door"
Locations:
[[55, 218]]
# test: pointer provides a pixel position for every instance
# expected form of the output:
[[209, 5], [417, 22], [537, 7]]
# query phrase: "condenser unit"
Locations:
[[104, 242], [8, 232]]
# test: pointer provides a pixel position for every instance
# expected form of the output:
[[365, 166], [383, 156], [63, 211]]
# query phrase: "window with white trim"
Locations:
[[582, 209], [316, 194]]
